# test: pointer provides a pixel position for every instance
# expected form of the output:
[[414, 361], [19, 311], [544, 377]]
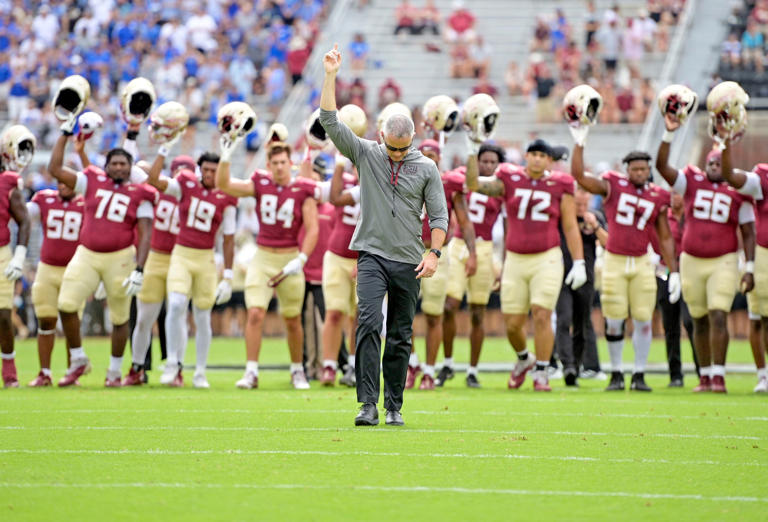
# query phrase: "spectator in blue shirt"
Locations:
[[752, 42]]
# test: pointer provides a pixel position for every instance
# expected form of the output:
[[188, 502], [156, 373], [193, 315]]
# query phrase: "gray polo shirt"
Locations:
[[390, 214]]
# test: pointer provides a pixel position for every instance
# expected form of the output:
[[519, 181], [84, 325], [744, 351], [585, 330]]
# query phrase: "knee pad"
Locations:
[[614, 330]]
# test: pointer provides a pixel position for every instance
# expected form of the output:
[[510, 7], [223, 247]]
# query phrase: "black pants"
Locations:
[[376, 277], [671, 314], [160, 331], [574, 309]]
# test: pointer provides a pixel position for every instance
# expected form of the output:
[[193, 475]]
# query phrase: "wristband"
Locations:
[[668, 136], [578, 262], [749, 267], [139, 269], [20, 253], [303, 257], [164, 150], [228, 274], [132, 135]]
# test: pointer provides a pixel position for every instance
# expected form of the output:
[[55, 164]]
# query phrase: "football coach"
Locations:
[[396, 182]]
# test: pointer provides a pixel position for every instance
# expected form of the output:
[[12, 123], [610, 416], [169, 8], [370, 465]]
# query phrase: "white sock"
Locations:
[[330, 363], [641, 341], [146, 315], [8, 356], [615, 348], [46, 371], [115, 364], [203, 336], [762, 373], [472, 370], [448, 362], [252, 366], [176, 326], [352, 361], [77, 353], [705, 371], [297, 367], [718, 370], [413, 360], [429, 370]]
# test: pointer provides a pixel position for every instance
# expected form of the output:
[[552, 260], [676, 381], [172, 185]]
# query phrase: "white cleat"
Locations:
[[249, 381], [762, 386], [169, 373], [299, 380], [199, 381]]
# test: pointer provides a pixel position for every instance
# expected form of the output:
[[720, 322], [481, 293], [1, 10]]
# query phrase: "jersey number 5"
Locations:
[[63, 225], [627, 208], [710, 205]]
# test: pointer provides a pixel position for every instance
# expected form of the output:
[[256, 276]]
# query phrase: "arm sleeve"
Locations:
[[355, 193], [434, 199], [81, 185], [323, 192], [145, 210], [681, 183], [132, 148], [138, 175], [229, 221], [173, 188], [33, 209], [746, 213], [752, 186], [344, 139]]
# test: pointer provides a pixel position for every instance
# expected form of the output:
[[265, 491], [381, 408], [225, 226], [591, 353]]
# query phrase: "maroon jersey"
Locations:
[[676, 231], [110, 211], [200, 212], [761, 206], [313, 268], [533, 208], [631, 213], [279, 209], [8, 181], [711, 215], [452, 182], [165, 227], [482, 210], [61, 220], [344, 224]]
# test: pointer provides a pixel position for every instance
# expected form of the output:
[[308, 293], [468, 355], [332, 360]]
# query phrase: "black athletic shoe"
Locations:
[[368, 416], [617, 382], [570, 374], [394, 418], [675, 382], [472, 381], [638, 383], [445, 374]]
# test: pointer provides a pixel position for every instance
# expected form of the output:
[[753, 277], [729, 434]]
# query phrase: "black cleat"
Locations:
[[570, 374], [617, 382], [368, 416], [394, 418], [445, 374], [638, 383], [472, 381], [675, 382]]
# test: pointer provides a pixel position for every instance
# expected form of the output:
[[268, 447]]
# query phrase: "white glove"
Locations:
[[14, 269], [223, 291], [473, 147], [165, 148], [228, 146], [579, 134], [577, 275], [68, 126], [133, 282], [674, 287], [295, 265], [101, 292]]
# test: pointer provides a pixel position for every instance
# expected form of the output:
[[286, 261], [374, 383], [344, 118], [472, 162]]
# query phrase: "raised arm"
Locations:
[[590, 183], [340, 197], [238, 188], [56, 163], [734, 177], [490, 186], [668, 172], [80, 149], [154, 178], [345, 140], [467, 231]]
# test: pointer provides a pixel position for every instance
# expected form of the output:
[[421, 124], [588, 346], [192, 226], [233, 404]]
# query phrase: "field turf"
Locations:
[[152, 453]]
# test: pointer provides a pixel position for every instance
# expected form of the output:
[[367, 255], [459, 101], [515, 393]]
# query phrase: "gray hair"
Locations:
[[399, 126]]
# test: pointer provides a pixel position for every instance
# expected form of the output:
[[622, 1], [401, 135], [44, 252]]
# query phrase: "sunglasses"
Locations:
[[398, 149]]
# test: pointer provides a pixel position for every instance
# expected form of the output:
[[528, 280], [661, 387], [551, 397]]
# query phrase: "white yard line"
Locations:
[[395, 489]]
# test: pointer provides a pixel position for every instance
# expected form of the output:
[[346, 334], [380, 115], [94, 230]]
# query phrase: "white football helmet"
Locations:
[[277, 132], [389, 110], [354, 117], [480, 116], [235, 119], [89, 122], [726, 105], [732, 128], [441, 114], [168, 121], [315, 134], [581, 105], [71, 97], [17, 147], [137, 100], [678, 101]]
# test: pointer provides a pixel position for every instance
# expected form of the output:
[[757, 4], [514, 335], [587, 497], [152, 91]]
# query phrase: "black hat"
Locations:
[[560, 153], [539, 145]]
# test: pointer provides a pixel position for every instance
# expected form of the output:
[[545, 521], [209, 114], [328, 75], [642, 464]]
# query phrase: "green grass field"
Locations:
[[152, 453]]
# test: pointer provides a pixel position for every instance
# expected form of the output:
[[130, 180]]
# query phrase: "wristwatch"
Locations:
[[436, 252]]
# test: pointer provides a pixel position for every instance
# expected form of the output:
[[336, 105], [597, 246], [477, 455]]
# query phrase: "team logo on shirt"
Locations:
[[623, 183], [264, 182], [101, 178], [409, 169], [190, 184], [698, 177], [295, 189], [131, 187], [550, 183], [515, 177], [50, 200]]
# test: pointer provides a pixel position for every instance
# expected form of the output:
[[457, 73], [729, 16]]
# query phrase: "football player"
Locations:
[[483, 211], [709, 263], [17, 147], [633, 206], [115, 210], [536, 200], [283, 206]]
